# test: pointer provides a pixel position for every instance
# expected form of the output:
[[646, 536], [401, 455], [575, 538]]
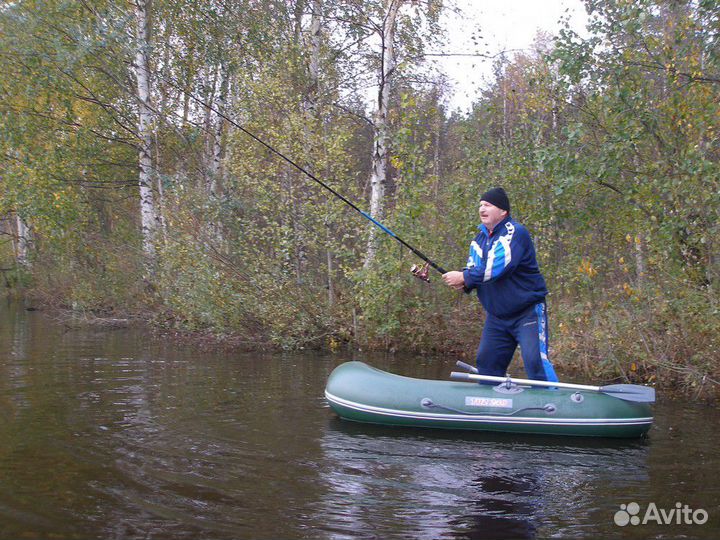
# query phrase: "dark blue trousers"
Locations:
[[501, 337]]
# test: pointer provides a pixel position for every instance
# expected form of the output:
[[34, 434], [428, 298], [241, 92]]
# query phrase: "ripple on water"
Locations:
[[118, 435]]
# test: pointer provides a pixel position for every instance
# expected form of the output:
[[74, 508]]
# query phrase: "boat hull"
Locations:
[[358, 392]]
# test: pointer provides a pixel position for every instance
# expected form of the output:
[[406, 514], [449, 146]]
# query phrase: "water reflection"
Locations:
[[469, 485], [504, 508], [117, 434]]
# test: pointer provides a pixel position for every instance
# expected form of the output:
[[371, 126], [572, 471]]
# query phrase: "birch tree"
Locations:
[[215, 168], [141, 67], [378, 175], [390, 37], [22, 242], [314, 63]]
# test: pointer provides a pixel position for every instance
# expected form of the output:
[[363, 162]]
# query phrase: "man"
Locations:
[[502, 267]]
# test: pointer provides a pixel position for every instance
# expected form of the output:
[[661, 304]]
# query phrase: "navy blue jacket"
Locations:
[[502, 267]]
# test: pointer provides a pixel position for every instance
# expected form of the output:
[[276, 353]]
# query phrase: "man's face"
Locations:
[[491, 215]]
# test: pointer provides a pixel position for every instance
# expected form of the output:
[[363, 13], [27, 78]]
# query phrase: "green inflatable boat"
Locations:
[[358, 392]]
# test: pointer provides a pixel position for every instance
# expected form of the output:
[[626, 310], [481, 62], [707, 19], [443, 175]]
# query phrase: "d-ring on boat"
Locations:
[[358, 392]]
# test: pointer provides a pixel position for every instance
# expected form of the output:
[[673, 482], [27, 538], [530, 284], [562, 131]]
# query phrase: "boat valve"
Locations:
[[421, 272]]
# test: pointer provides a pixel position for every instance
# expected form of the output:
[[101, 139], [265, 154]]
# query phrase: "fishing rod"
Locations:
[[419, 271]]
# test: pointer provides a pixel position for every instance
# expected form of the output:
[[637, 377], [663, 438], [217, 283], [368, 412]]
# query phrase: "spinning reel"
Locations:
[[421, 272]]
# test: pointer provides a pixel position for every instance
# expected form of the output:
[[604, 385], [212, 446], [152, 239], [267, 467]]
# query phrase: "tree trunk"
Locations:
[[330, 270], [309, 111], [148, 216], [215, 169], [378, 177], [210, 85], [23, 243], [313, 123], [314, 67]]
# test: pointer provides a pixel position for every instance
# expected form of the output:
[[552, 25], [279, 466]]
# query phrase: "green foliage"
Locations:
[[608, 145]]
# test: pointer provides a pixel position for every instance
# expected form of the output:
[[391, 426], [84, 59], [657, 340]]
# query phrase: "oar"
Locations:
[[467, 367], [628, 392]]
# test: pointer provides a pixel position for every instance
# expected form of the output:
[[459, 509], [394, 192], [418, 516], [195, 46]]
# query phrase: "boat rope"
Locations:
[[428, 404]]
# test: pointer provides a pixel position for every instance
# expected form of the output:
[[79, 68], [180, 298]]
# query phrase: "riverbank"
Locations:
[[672, 382]]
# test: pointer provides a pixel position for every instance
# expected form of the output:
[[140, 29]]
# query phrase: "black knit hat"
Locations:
[[498, 197]]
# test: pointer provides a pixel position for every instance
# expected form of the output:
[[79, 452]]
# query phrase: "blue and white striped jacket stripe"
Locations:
[[503, 269], [499, 255]]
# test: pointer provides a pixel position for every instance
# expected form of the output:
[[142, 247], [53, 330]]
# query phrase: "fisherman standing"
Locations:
[[503, 269]]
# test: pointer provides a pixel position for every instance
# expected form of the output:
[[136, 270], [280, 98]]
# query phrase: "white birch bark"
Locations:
[[208, 97], [148, 215], [314, 68], [22, 245], [378, 177], [215, 169]]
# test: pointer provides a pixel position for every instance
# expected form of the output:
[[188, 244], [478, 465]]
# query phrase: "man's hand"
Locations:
[[455, 279]]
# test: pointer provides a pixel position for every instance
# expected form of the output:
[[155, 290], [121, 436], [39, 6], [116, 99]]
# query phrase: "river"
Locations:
[[116, 433]]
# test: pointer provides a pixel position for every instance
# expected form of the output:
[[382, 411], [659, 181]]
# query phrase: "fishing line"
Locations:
[[420, 272]]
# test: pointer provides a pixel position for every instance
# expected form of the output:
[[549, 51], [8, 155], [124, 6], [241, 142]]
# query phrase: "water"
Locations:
[[111, 433]]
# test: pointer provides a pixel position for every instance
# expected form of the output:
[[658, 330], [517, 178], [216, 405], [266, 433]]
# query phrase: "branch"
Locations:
[[353, 113], [632, 201], [475, 55]]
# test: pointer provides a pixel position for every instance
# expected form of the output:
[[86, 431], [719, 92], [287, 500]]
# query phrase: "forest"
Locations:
[[129, 186]]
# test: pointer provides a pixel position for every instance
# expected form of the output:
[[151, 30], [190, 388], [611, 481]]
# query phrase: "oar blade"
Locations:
[[630, 392]]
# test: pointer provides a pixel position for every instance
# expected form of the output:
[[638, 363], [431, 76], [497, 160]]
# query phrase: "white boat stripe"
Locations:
[[490, 419]]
